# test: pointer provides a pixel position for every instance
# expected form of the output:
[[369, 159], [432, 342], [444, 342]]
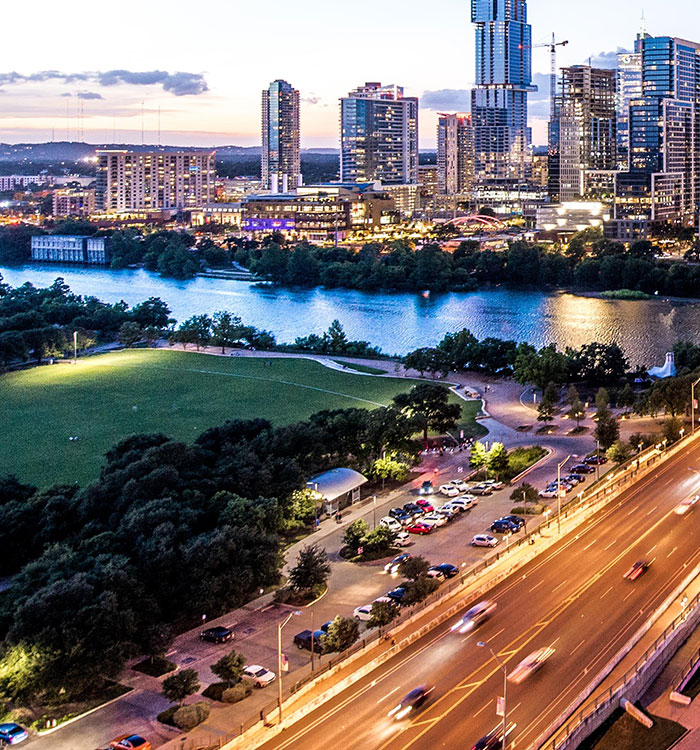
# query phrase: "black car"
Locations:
[[397, 594], [304, 640], [411, 702], [504, 526], [491, 741], [595, 460], [400, 515], [582, 469], [217, 634], [449, 571], [517, 520], [413, 509], [326, 625], [397, 562]]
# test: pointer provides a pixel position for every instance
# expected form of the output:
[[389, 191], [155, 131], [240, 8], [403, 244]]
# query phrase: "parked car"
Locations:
[[129, 742], [426, 505], [475, 616], [413, 509], [363, 613], [638, 569], [402, 539], [517, 520], [393, 566], [449, 571], [460, 484], [260, 676], [572, 479], [449, 490], [595, 460], [503, 526], [411, 702], [438, 575], [463, 503], [419, 528], [480, 489], [12, 734], [304, 640], [217, 634], [397, 594], [390, 523], [582, 469], [426, 488], [484, 540], [495, 484], [400, 515], [435, 518], [447, 510], [548, 493], [530, 664]]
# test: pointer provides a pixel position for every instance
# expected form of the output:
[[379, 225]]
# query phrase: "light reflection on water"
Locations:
[[399, 322]]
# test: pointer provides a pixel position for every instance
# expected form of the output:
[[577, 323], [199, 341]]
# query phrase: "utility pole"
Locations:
[[504, 739], [559, 491]]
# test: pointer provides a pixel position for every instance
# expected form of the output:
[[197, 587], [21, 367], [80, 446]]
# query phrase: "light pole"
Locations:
[[374, 511], [692, 404], [75, 347], [559, 491], [481, 644], [280, 625]]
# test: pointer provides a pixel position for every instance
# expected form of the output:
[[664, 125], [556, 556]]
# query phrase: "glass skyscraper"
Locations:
[[281, 165], [499, 100]]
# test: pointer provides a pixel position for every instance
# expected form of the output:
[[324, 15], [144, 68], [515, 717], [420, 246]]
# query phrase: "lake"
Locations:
[[398, 322]]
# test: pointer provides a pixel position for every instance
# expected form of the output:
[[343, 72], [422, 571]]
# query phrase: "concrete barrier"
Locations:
[[636, 713]]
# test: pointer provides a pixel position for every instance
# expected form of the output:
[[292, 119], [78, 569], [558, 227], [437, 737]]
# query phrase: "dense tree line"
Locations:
[[170, 531]]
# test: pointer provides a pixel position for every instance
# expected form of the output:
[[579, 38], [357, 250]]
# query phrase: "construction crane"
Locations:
[[552, 47]]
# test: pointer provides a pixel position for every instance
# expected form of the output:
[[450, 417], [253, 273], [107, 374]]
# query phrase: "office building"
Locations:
[[427, 186], [583, 131], [661, 185], [14, 181], [130, 181], [499, 100], [379, 136], [629, 88], [64, 248], [281, 160], [70, 202], [455, 154]]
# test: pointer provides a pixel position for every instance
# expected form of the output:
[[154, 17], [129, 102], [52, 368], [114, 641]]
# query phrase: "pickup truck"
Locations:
[[303, 640]]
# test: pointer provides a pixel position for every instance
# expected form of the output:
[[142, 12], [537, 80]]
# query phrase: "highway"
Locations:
[[572, 597]]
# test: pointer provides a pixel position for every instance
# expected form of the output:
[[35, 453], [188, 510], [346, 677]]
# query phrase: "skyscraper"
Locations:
[[379, 136], [582, 133], [629, 87], [663, 181], [281, 165], [499, 100], [455, 154]]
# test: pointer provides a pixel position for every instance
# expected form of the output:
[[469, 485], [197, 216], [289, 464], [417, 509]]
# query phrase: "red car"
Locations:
[[427, 507], [419, 528], [638, 569], [130, 742]]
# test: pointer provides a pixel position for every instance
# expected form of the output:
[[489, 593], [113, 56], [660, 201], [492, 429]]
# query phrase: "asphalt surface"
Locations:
[[573, 597]]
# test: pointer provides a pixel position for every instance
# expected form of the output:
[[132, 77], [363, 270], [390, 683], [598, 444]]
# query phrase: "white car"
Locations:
[[363, 613], [460, 484], [687, 505], [449, 490], [484, 540], [463, 503], [390, 523], [494, 484], [548, 493], [435, 518], [530, 664], [259, 675], [448, 510], [432, 522], [402, 539], [475, 616]]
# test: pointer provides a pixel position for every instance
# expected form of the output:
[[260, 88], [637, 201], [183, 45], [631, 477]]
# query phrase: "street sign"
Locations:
[[285, 663], [460, 469], [461, 434], [500, 706], [360, 550]]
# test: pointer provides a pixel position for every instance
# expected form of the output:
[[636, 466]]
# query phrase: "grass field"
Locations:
[[105, 398]]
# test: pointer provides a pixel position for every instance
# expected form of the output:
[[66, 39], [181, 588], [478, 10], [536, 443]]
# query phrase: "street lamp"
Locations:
[[374, 511], [481, 644], [559, 491], [280, 625], [692, 404]]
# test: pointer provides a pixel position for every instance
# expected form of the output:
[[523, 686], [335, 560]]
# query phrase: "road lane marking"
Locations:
[[650, 551], [483, 708], [628, 596], [607, 592], [536, 586], [384, 697], [652, 510], [671, 552], [634, 510], [563, 583], [495, 635], [571, 653], [588, 546], [605, 549]]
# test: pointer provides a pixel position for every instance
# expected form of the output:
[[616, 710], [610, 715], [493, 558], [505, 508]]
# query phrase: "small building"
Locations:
[[226, 214], [70, 202], [65, 248], [337, 488]]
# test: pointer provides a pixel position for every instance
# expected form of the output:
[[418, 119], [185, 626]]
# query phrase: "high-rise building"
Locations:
[[379, 136], [499, 100], [455, 154], [281, 159], [582, 133], [662, 184], [629, 87], [154, 180]]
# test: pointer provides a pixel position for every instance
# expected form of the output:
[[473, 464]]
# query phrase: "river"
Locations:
[[398, 322]]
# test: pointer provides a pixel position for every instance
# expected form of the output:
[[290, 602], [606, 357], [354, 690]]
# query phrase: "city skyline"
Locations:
[[206, 92]]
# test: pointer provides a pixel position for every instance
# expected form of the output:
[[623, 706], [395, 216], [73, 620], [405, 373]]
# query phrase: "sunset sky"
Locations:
[[204, 64]]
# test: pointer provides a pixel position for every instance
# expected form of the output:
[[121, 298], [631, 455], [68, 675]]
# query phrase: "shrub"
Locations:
[[155, 666], [215, 691], [535, 509], [237, 692], [166, 717], [188, 717], [520, 459]]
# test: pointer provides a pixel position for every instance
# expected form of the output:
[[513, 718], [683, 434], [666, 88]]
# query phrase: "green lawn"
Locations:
[[105, 398]]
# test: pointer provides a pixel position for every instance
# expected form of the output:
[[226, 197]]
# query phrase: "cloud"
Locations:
[[606, 59], [89, 95], [456, 100], [311, 99], [178, 84]]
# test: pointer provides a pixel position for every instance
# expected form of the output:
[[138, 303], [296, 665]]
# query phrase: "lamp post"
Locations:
[[374, 511], [692, 405], [75, 347], [280, 625], [481, 644], [559, 491]]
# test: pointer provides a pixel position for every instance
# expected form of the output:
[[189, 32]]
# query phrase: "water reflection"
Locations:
[[400, 322]]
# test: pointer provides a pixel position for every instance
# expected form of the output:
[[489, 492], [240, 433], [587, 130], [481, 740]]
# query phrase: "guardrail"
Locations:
[[687, 673], [599, 494]]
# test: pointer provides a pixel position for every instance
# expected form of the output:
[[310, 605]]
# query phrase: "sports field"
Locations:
[[105, 398]]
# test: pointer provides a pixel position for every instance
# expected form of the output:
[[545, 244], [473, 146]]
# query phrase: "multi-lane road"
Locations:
[[573, 597]]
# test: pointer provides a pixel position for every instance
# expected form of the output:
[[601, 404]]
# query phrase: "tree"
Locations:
[[341, 634], [497, 459], [382, 614], [378, 541], [525, 494], [577, 412], [389, 467], [619, 452], [355, 534], [478, 456], [418, 590], [602, 399], [226, 329], [572, 395], [312, 569], [541, 368], [229, 668], [626, 398], [414, 568], [195, 330], [428, 404], [129, 334], [551, 393], [302, 505], [545, 411], [157, 640], [607, 429], [152, 312], [672, 429], [180, 685]]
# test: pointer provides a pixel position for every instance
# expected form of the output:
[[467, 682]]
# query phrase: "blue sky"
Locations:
[[199, 67]]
